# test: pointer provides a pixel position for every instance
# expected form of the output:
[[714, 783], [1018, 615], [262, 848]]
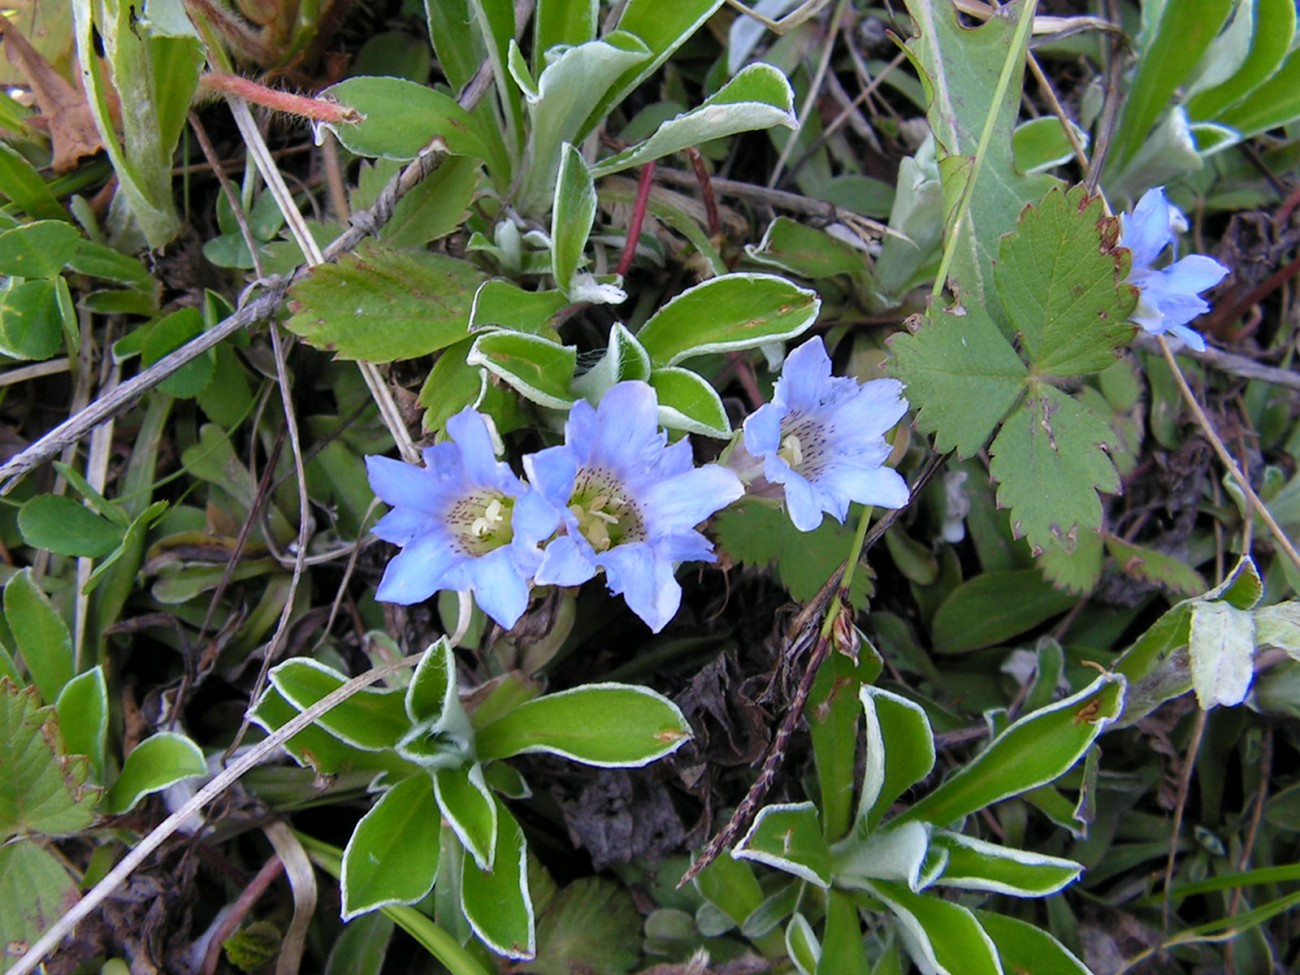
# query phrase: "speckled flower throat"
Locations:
[[481, 521], [803, 444], [606, 516]]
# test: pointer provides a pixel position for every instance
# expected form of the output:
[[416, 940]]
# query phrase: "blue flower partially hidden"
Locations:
[[464, 522], [822, 439], [1169, 297], [629, 503]]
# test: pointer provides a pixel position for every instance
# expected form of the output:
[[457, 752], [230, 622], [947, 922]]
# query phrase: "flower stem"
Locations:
[[316, 109], [1283, 541], [638, 218]]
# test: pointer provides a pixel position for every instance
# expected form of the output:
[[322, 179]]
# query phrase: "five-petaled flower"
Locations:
[[464, 521], [821, 439], [1169, 297], [628, 501]]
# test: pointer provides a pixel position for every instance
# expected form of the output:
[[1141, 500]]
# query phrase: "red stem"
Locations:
[[706, 191], [638, 218], [316, 109]]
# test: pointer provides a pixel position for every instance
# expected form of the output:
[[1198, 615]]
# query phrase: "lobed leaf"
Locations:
[[1050, 463], [961, 376], [42, 789]]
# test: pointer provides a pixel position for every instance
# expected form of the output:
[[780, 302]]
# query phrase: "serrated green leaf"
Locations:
[[1025, 947], [961, 376], [1049, 464], [728, 313], [372, 719], [467, 805], [42, 636], [688, 402], [899, 751], [157, 763], [607, 725], [975, 864], [39, 249], [961, 67], [42, 789], [788, 836], [761, 535], [57, 523], [497, 904], [758, 97], [538, 369], [1059, 278], [382, 305], [1077, 570], [572, 215], [1222, 648], [1037, 749], [942, 937], [591, 922], [392, 857], [994, 607], [35, 889]]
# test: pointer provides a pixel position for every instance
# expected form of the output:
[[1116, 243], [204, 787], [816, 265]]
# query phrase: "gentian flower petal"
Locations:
[[821, 440]]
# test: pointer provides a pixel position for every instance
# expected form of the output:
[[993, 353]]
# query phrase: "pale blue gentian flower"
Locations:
[[1169, 297], [628, 502], [821, 441], [465, 522]]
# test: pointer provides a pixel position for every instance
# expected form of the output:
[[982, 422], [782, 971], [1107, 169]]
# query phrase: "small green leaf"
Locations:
[[1222, 648], [1041, 144], [1171, 49], [382, 305], [1162, 570], [843, 947], [402, 119], [432, 691], [436, 206], [36, 892], [563, 22], [624, 359], [82, 708], [1270, 42], [788, 836], [538, 369], [687, 402], [467, 805], [994, 607], [372, 719], [315, 748], [31, 322], [166, 336], [961, 376], [21, 183], [1049, 464], [758, 97], [1037, 749], [42, 636], [1274, 103], [899, 751], [607, 725], [42, 789], [1058, 277], [801, 944], [975, 864], [392, 857], [942, 937], [796, 248], [592, 922], [38, 250], [899, 854], [59, 524], [1025, 947], [497, 903], [1279, 626], [728, 313], [98, 261], [155, 764], [571, 217], [509, 306]]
